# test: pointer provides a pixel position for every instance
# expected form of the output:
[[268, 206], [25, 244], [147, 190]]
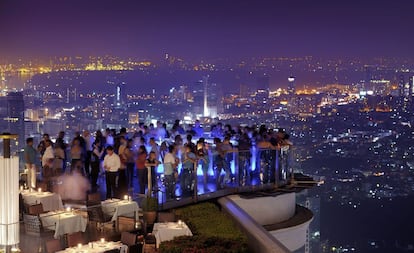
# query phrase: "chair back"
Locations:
[[32, 224], [43, 185], [166, 217], [126, 224], [112, 251], [136, 248], [36, 209], [94, 197], [53, 245], [128, 238], [95, 213], [74, 239]]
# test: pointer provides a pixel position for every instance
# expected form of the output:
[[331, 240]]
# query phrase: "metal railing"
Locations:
[[235, 171]]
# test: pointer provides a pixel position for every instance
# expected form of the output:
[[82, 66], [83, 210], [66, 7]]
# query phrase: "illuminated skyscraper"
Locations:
[[119, 101], [291, 86], [207, 98]]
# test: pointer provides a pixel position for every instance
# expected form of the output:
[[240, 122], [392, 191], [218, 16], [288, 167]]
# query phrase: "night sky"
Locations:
[[203, 29]]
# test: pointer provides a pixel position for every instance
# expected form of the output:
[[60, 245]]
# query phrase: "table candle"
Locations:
[[102, 240], [79, 245], [21, 188], [40, 189], [180, 223], [125, 197], [68, 208]]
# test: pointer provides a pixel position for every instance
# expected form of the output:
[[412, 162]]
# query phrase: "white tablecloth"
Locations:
[[167, 231], [63, 222], [96, 247], [116, 207], [50, 201]]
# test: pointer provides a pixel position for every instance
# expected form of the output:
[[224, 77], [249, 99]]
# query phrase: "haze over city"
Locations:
[[205, 29]]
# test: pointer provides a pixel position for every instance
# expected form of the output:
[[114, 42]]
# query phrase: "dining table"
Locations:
[[96, 247], [50, 201], [63, 222], [167, 231], [118, 207]]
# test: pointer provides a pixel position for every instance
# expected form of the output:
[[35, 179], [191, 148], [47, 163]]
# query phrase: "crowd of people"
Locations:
[[120, 154]]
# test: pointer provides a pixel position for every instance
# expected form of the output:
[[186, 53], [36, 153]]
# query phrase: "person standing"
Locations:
[[152, 165], [129, 153], [141, 169], [76, 155], [30, 162], [88, 151], [111, 164], [187, 172], [203, 158], [96, 158], [122, 179], [170, 168], [47, 162]]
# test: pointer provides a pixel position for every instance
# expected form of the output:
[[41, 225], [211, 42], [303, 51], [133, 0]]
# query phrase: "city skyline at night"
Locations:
[[318, 88]]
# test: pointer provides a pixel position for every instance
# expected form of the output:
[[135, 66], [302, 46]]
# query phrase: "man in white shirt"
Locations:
[[170, 167], [111, 164]]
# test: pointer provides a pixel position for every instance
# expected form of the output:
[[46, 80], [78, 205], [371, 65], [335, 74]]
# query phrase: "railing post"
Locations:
[[277, 168], [195, 182]]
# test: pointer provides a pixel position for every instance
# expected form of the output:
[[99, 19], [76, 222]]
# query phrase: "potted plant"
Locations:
[[149, 209]]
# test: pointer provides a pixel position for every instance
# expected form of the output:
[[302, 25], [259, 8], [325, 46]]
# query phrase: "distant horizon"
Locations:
[[195, 59]]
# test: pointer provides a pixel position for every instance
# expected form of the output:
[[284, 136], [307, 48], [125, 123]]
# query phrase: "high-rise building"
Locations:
[[263, 82], [12, 115], [207, 98], [119, 96], [291, 85]]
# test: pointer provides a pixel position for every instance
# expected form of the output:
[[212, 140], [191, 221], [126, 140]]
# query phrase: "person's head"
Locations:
[[130, 143], [152, 155], [110, 150], [46, 137], [122, 140], [85, 133], [164, 145], [29, 141], [178, 140], [187, 148], [189, 137], [48, 143], [142, 149], [152, 140], [197, 123], [97, 142], [61, 134], [216, 140], [171, 149]]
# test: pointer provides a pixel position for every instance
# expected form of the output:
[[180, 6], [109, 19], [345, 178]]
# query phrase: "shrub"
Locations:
[[213, 231]]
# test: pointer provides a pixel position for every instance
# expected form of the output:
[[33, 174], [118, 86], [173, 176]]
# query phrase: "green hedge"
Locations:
[[213, 232]]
